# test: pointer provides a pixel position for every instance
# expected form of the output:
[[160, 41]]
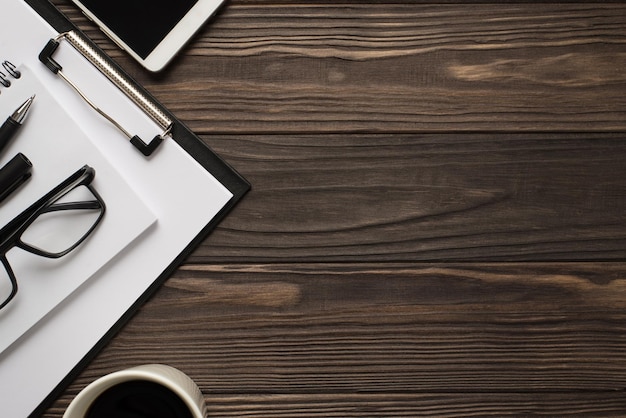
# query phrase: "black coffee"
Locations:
[[138, 399]]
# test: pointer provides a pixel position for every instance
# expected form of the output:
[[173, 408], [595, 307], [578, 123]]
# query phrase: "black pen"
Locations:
[[14, 174], [14, 122]]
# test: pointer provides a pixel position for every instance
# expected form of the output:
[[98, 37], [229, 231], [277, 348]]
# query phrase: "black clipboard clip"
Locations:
[[126, 86]]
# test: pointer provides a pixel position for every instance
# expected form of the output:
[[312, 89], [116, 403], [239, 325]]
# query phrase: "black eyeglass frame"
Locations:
[[11, 233]]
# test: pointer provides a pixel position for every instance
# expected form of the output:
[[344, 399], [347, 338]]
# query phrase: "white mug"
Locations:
[[166, 376]]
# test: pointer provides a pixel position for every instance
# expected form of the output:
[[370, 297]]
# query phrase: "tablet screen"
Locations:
[[141, 24]]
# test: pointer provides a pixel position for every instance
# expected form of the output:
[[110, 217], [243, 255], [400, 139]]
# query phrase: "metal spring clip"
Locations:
[[118, 79]]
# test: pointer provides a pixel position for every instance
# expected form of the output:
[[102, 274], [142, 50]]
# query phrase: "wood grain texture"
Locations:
[[389, 67], [436, 222], [388, 340], [425, 197]]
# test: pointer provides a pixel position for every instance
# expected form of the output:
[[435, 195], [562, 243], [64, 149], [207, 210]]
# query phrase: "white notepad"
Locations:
[[182, 194], [58, 147]]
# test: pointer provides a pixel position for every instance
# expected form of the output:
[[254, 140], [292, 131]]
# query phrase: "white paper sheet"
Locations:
[[57, 147], [183, 196]]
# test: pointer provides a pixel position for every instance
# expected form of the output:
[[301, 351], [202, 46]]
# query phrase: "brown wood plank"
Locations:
[[398, 68], [436, 225], [424, 197], [388, 340], [604, 405]]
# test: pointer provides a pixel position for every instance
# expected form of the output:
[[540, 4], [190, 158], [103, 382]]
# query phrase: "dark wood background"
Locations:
[[436, 225]]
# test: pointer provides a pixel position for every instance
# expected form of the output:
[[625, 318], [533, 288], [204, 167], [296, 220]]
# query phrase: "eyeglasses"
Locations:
[[53, 226]]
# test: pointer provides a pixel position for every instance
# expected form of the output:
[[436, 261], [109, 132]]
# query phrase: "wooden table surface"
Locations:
[[436, 225]]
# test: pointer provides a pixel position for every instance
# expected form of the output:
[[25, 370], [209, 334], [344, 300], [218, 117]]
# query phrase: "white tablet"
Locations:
[[151, 31]]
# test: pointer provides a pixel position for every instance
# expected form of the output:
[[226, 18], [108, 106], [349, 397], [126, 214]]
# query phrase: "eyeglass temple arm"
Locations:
[[89, 204]]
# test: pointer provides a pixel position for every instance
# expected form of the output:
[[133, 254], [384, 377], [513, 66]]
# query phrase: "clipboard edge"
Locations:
[[192, 145]]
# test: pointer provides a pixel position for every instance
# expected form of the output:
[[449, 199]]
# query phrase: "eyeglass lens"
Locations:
[[60, 227], [64, 223]]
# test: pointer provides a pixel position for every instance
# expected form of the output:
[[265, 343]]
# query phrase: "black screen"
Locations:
[[141, 24]]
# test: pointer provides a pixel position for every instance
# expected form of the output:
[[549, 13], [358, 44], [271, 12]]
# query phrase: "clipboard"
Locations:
[[38, 366]]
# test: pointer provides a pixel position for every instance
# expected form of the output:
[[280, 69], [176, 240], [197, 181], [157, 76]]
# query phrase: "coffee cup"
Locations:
[[150, 390]]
